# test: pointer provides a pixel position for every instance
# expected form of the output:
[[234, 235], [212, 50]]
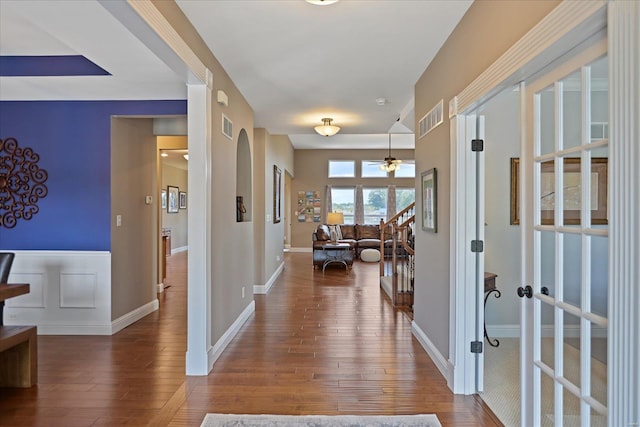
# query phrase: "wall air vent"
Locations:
[[227, 127], [430, 120]]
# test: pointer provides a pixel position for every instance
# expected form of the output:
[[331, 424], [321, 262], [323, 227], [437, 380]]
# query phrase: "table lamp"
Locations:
[[333, 220]]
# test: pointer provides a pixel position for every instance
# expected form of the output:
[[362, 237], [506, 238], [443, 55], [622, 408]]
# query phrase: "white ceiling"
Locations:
[[294, 62]]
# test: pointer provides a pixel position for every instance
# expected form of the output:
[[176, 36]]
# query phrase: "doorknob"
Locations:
[[527, 290], [544, 290]]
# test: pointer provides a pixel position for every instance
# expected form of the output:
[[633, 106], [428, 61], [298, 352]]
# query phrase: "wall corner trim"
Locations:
[[133, 316], [440, 361], [263, 289], [214, 353]]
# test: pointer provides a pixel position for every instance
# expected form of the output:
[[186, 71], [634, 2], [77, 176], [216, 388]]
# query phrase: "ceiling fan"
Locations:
[[390, 163]]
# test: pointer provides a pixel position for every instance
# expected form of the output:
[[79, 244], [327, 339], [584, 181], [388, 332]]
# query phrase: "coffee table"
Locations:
[[338, 253]]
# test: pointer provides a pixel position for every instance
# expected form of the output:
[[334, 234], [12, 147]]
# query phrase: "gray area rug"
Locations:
[[233, 420]]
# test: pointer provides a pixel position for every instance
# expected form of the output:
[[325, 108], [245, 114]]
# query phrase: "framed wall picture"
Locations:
[[182, 200], [163, 198], [571, 193], [277, 193], [172, 199], [429, 189]]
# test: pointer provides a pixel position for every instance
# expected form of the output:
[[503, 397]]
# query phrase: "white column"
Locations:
[[624, 219], [199, 228]]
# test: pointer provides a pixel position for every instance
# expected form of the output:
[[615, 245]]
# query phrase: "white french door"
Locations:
[[564, 217]]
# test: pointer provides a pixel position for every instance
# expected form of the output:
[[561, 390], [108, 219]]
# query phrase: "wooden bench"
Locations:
[[18, 356], [18, 346]]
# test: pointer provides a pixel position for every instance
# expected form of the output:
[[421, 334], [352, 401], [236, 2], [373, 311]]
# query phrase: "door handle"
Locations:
[[526, 291], [544, 290]]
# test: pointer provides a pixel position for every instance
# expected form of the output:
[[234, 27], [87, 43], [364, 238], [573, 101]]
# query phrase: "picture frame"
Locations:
[[163, 199], [172, 199], [599, 191], [277, 185], [182, 199], [429, 187]]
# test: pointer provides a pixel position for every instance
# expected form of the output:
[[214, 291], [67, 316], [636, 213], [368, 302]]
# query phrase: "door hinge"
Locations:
[[477, 246], [477, 145], [476, 346]]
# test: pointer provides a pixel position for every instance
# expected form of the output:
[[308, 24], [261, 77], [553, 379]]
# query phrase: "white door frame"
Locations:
[[466, 319], [569, 24], [144, 20]]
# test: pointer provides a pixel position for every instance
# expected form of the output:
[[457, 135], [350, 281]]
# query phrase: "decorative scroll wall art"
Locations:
[[22, 183]]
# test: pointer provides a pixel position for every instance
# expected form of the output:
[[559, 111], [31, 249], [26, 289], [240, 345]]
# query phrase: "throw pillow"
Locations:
[[338, 232], [322, 232], [348, 231]]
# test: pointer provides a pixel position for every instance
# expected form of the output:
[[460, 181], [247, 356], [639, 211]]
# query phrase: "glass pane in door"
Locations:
[[546, 111], [571, 349], [571, 110], [547, 404], [599, 107], [572, 265], [570, 409], [599, 275], [598, 373]]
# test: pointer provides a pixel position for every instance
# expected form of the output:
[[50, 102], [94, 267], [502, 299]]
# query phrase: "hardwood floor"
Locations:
[[317, 344]]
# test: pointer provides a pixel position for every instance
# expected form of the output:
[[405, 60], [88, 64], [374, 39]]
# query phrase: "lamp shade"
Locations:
[[335, 218], [327, 129]]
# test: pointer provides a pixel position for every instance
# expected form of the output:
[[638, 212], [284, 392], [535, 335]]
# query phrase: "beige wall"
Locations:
[[486, 31], [312, 170], [232, 260], [133, 247], [269, 236]]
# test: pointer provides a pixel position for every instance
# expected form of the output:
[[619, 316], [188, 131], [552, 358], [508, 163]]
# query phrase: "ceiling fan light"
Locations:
[[327, 129]]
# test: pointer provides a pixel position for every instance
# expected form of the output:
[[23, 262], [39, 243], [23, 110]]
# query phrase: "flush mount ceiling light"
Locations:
[[322, 2], [326, 128]]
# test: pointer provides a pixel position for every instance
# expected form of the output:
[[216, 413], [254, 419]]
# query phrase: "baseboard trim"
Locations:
[[133, 316], [67, 328], [97, 328], [214, 352], [179, 249], [307, 250], [263, 289], [437, 357]]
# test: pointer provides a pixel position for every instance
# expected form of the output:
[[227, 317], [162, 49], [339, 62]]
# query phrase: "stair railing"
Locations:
[[398, 254]]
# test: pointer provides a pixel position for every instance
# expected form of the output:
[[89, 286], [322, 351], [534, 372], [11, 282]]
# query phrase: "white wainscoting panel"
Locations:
[[70, 292], [36, 296], [78, 290]]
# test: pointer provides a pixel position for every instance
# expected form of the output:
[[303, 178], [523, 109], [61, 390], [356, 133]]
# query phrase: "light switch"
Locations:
[[118, 220], [147, 200]]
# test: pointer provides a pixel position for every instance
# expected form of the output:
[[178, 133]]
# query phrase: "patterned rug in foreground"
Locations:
[[233, 420]]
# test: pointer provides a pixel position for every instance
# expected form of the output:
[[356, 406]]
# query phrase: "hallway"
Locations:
[[317, 344]]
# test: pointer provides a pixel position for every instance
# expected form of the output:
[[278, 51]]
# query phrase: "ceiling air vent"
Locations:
[[227, 127], [430, 120]]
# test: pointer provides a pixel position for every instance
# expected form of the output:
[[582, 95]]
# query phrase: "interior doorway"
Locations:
[[502, 240], [173, 193]]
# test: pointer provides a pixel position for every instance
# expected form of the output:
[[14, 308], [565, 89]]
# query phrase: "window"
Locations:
[[407, 169], [342, 169], [404, 197], [375, 204], [371, 169], [344, 200]]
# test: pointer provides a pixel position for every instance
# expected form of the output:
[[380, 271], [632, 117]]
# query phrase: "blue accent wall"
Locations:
[[73, 139]]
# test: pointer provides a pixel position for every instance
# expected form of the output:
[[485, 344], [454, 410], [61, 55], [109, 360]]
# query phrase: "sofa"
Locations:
[[359, 236]]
